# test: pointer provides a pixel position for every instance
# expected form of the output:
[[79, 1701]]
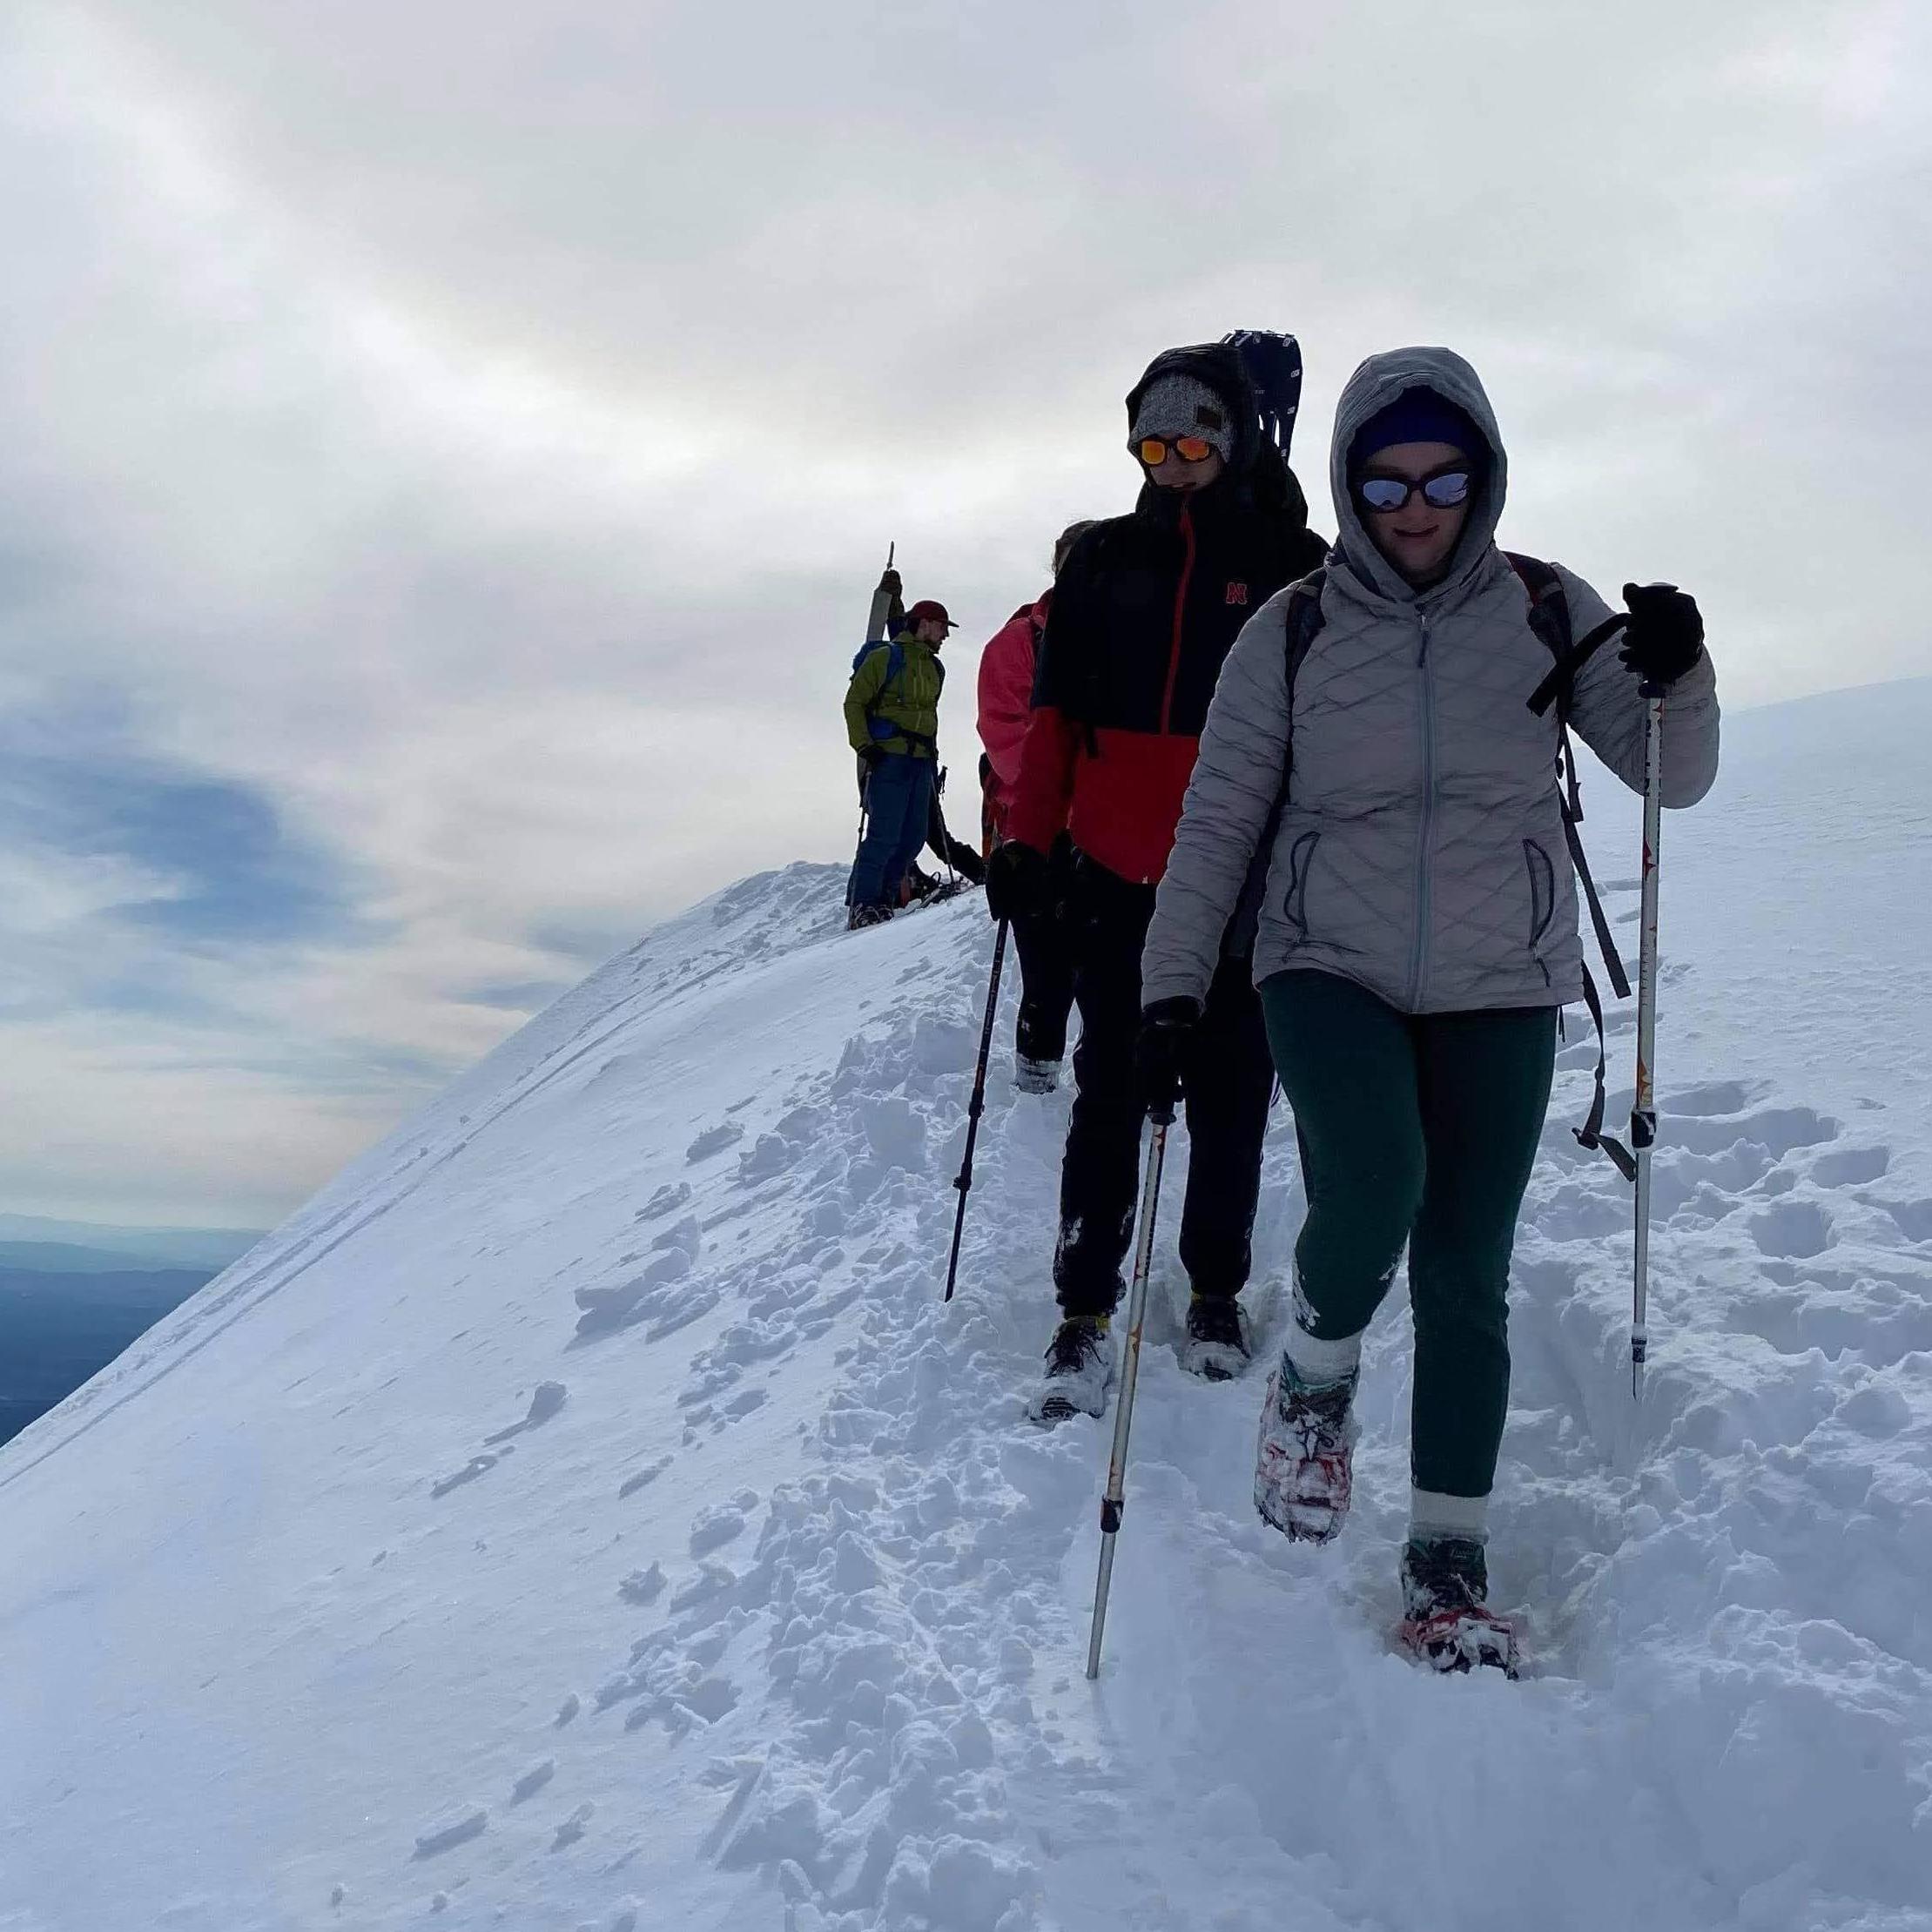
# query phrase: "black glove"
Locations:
[[889, 582], [1019, 881], [965, 862], [1665, 637], [1167, 1032]]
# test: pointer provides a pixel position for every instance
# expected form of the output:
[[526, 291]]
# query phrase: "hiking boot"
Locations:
[[1446, 1620], [1301, 1463], [863, 916], [1035, 1076], [1216, 1345], [1080, 1369], [1038, 1046]]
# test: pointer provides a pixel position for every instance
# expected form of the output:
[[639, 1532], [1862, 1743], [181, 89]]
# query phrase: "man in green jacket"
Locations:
[[892, 721]]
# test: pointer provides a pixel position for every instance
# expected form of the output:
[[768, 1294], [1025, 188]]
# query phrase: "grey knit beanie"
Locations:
[[1179, 405]]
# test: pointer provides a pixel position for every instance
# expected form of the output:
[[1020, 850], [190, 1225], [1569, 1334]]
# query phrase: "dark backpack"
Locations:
[[1550, 619], [883, 728]]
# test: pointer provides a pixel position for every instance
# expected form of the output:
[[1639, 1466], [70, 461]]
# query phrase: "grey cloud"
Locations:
[[473, 430]]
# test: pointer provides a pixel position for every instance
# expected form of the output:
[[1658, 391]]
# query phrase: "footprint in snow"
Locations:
[[1793, 1230], [572, 1828], [533, 1781], [642, 1587], [667, 1201], [468, 1473], [610, 1305], [1709, 1100], [643, 1478], [711, 1528], [458, 1829], [687, 1236], [769, 1157], [714, 1140], [1711, 1120], [1914, 1218], [544, 1403], [1851, 1167]]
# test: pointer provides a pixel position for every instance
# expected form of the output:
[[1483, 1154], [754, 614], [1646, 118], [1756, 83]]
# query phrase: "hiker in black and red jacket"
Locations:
[[1145, 609]]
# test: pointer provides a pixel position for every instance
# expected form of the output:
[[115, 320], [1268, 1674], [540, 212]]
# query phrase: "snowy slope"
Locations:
[[584, 1514]]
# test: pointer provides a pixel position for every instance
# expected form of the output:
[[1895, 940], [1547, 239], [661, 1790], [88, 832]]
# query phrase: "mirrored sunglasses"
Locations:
[[1443, 491], [1152, 450]]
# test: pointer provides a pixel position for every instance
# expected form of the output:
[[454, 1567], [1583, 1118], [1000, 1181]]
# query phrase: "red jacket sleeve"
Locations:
[[1006, 696], [1045, 788]]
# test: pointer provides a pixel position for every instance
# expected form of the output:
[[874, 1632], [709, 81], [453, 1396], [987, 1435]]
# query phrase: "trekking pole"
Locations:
[[1114, 1501], [976, 1107], [945, 836], [1643, 1110]]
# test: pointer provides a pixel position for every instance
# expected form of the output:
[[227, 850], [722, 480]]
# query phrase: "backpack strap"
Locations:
[[1302, 622], [884, 728], [1550, 619]]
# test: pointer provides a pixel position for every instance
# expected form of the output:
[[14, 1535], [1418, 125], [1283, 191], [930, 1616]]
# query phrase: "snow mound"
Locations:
[[584, 1514]]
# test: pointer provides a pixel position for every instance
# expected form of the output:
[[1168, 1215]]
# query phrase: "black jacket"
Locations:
[[1145, 608]]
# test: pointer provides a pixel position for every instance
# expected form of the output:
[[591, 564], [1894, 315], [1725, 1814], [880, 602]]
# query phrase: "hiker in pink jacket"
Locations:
[[1005, 704]]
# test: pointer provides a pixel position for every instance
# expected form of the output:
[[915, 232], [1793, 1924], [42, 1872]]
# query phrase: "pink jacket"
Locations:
[[1006, 699]]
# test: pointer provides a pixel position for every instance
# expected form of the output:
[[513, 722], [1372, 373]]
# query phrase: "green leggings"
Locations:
[[1419, 1130]]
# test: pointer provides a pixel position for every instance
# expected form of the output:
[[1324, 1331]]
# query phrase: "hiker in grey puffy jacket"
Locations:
[[1418, 933]]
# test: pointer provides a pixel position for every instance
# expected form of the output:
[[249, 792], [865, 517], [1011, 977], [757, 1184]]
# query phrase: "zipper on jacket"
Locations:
[[1418, 959], [1180, 611]]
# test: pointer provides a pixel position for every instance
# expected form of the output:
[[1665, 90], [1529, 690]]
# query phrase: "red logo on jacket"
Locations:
[[1237, 593]]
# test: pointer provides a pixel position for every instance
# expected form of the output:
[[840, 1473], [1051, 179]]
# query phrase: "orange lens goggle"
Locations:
[[1152, 450]]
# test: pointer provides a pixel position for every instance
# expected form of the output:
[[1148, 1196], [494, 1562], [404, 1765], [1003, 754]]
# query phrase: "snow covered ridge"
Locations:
[[584, 1514]]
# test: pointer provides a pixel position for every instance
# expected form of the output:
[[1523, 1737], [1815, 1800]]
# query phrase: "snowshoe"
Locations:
[[1447, 1623], [863, 916], [922, 889], [1035, 1076], [1302, 1462], [1080, 1371], [1215, 1347]]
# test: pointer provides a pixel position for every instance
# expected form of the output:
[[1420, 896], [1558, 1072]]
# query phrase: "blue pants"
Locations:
[[899, 801]]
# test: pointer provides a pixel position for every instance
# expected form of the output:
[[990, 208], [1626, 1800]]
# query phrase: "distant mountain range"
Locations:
[[73, 1294], [210, 1247]]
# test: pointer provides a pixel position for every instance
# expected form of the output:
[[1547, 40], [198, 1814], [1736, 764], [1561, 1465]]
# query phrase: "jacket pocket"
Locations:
[[1543, 894], [1301, 860]]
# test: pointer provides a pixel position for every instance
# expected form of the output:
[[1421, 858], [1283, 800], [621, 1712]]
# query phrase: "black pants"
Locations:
[[1229, 1078], [1043, 941]]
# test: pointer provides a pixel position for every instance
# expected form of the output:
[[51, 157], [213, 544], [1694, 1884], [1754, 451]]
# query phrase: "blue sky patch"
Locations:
[[229, 871]]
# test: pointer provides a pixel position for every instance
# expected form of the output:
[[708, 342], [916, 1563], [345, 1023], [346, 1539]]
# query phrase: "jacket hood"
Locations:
[[1373, 388]]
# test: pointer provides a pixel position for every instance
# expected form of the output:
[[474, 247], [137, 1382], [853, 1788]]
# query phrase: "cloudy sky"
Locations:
[[446, 448]]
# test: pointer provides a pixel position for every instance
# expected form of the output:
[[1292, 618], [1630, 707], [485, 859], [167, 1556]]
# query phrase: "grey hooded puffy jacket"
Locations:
[[1421, 852]]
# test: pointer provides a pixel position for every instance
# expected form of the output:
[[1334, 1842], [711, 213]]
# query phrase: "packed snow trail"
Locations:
[[584, 1515]]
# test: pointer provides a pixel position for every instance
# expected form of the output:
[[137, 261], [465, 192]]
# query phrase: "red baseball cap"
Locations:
[[926, 609]]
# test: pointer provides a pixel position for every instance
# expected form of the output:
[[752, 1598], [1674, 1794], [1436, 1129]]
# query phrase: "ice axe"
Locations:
[[880, 620], [877, 622]]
